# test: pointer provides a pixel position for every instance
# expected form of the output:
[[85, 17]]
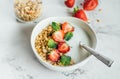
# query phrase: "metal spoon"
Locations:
[[107, 61]]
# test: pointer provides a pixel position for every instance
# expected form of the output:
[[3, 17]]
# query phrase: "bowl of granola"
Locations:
[[55, 42]]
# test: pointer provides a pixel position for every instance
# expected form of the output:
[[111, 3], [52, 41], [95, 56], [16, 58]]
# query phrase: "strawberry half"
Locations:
[[58, 36], [63, 47], [54, 55], [66, 27], [90, 4], [70, 3]]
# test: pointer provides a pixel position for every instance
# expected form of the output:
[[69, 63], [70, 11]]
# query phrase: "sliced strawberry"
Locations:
[[58, 36], [54, 55], [63, 47], [66, 27]]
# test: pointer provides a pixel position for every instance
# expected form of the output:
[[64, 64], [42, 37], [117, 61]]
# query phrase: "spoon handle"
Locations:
[[107, 61]]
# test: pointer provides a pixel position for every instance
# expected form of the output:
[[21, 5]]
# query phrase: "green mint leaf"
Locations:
[[52, 44], [65, 60], [68, 36], [55, 26]]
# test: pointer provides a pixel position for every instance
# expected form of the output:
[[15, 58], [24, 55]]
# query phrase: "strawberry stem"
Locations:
[[76, 9]]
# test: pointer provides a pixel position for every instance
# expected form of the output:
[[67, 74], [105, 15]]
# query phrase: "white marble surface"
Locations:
[[17, 60]]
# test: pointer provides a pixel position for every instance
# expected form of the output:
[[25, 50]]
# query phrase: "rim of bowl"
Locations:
[[62, 68]]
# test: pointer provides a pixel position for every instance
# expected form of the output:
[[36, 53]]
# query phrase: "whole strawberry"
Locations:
[[79, 13]]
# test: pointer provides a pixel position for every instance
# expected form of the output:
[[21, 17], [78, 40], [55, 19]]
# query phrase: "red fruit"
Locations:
[[79, 13], [58, 36], [54, 55], [66, 27], [63, 47], [70, 3], [90, 4]]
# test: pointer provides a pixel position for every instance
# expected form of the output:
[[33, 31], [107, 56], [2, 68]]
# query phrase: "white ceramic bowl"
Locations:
[[82, 33]]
